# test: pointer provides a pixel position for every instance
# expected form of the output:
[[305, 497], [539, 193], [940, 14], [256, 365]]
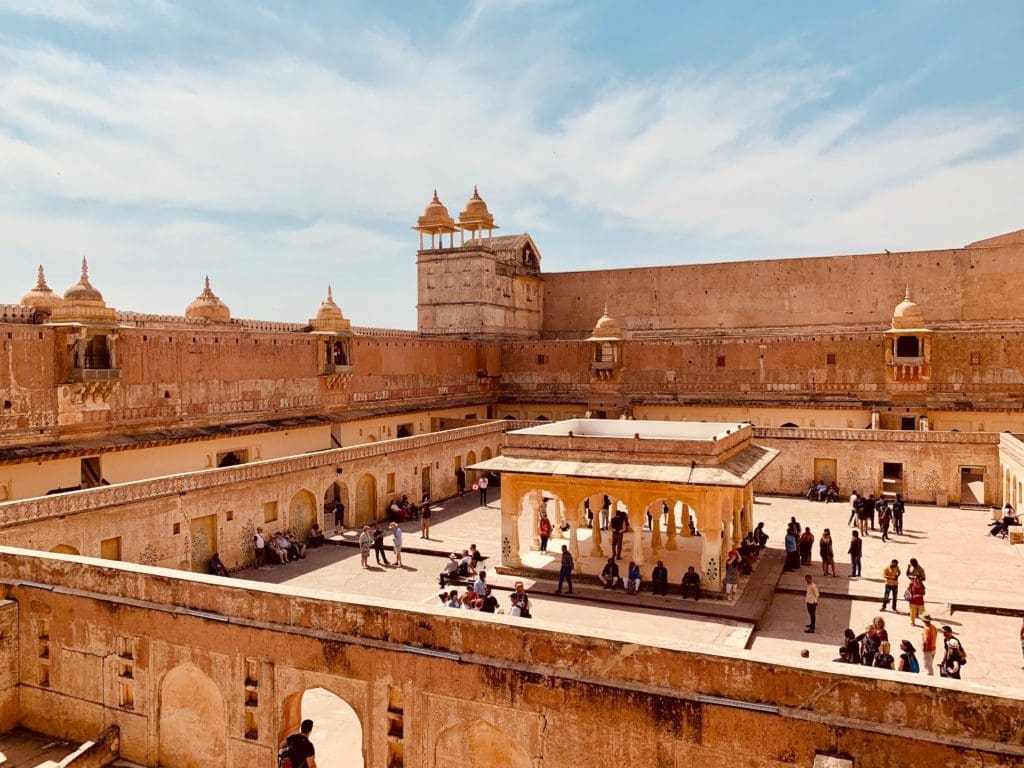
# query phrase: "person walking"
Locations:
[[732, 574], [618, 526], [544, 528], [792, 553], [396, 543], [425, 520], [929, 639], [914, 570], [954, 656], [915, 598], [481, 485], [565, 572], [378, 545], [805, 545], [298, 749], [854, 499], [828, 555], [899, 508], [811, 597], [604, 514], [855, 551], [365, 542], [892, 584], [884, 518]]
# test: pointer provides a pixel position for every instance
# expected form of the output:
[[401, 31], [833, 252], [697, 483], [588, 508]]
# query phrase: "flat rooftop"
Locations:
[[646, 430]]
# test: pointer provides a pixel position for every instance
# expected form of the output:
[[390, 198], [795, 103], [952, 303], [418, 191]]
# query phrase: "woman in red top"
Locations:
[[916, 592], [545, 530]]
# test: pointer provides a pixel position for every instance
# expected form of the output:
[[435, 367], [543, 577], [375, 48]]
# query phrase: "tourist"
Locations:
[[915, 599], [425, 517], [216, 566], [892, 583], [467, 566], [565, 570], [827, 553], [855, 551], [929, 639], [908, 658], [618, 526], [866, 514], [954, 656], [854, 497], [869, 645], [899, 508], [832, 494], [804, 545], [316, 536], [879, 624], [298, 749], [633, 578], [475, 557], [365, 542], [523, 600], [259, 546], [453, 599], [659, 586], [884, 659], [760, 536], [914, 570], [489, 604], [451, 570], [811, 597], [339, 516], [481, 485], [609, 575], [460, 481], [544, 527], [279, 546], [851, 647], [606, 505], [396, 543], [732, 574], [378, 545], [691, 583], [884, 518], [792, 555], [295, 546]]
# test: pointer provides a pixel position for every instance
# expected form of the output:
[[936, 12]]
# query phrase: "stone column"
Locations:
[[637, 517], [510, 528], [656, 532], [595, 536], [574, 543], [536, 501], [670, 529], [556, 511], [710, 518]]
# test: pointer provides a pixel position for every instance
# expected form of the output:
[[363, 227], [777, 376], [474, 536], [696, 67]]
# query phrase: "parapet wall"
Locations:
[[458, 686]]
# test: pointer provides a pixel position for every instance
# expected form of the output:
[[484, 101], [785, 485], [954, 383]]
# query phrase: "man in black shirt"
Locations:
[[299, 749], [618, 527]]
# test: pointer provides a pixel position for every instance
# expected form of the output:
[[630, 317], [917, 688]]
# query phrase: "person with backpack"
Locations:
[[954, 657], [298, 751], [908, 658]]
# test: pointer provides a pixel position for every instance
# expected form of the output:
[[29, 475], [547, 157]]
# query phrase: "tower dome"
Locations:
[[476, 216], [329, 318], [435, 216], [907, 314], [607, 328], [207, 306], [41, 298], [83, 304]]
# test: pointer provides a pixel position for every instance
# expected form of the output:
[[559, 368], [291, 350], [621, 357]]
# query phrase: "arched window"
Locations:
[[907, 346]]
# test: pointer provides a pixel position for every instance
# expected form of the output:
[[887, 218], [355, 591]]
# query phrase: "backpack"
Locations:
[[284, 757], [963, 652], [914, 666]]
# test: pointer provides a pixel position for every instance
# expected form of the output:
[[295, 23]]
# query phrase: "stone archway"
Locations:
[[470, 461], [485, 454], [335, 722], [65, 549], [192, 729], [302, 513], [478, 743], [337, 493], [366, 501]]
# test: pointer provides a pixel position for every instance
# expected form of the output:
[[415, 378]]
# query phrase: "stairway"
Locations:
[[21, 748]]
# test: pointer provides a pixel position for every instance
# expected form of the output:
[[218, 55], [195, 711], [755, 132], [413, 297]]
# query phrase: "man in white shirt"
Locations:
[[480, 585], [260, 547], [481, 485], [811, 598], [396, 542]]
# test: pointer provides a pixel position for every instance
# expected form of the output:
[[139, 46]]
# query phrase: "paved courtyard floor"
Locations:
[[973, 583]]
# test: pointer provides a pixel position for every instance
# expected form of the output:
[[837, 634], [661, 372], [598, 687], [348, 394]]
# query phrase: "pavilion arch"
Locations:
[[471, 460], [65, 549], [485, 454], [302, 513], [192, 729], [366, 501], [478, 743], [337, 493], [342, 725]]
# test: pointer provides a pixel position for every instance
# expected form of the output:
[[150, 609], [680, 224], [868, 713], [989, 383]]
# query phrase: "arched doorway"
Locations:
[[366, 500], [478, 743], [485, 454], [65, 549], [302, 513], [335, 495], [192, 730], [334, 723]]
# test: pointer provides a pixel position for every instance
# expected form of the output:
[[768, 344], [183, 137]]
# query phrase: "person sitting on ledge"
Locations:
[[217, 567], [633, 578], [316, 537], [451, 570], [609, 575], [691, 583]]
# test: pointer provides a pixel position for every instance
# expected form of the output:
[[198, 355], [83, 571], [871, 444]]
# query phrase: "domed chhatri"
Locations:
[[208, 306], [476, 217], [41, 298], [329, 318], [907, 314], [436, 222], [84, 304], [607, 328]]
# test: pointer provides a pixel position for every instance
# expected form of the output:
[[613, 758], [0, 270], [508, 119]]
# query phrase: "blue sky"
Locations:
[[280, 147]]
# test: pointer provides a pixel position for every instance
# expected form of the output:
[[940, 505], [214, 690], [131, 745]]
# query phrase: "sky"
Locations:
[[282, 147]]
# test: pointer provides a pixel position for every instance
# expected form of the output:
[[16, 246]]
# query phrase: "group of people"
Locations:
[[373, 539], [283, 546], [480, 597], [1001, 523], [864, 511], [818, 491], [871, 648], [459, 567]]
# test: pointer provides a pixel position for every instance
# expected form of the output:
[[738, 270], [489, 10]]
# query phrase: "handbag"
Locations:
[[908, 596]]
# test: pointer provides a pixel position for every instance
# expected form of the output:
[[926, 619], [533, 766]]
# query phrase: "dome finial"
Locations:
[[906, 296], [330, 295], [206, 283], [436, 199], [41, 280], [85, 269], [606, 309]]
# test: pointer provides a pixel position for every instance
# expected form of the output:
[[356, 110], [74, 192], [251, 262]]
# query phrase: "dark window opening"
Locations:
[[907, 346]]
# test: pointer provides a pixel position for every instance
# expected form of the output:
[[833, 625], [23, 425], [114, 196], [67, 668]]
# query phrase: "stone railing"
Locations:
[[15, 313], [22, 510], [389, 333], [878, 435]]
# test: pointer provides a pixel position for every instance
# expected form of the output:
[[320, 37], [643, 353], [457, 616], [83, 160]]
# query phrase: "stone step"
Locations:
[[22, 748]]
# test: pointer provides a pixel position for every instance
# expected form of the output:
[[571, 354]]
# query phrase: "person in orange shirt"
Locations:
[[929, 638]]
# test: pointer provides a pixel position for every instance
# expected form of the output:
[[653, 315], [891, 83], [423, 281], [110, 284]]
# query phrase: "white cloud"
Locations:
[[180, 170], [93, 14]]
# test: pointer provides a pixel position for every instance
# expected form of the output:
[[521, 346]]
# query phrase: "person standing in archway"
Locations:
[[460, 480], [481, 486], [339, 516], [298, 751]]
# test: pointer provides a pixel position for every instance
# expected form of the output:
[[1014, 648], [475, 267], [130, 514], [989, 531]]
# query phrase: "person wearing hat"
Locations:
[[396, 542], [451, 570], [954, 656]]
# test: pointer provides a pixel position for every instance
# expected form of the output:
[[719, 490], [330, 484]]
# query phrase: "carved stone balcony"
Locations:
[[602, 365], [95, 374], [898, 361], [330, 369]]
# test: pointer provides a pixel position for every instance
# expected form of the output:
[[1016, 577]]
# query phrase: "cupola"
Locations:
[[436, 222], [207, 306], [83, 304], [907, 314], [41, 298], [329, 318], [475, 219]]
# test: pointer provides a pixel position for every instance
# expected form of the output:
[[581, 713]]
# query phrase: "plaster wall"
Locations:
[[536, 693]]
